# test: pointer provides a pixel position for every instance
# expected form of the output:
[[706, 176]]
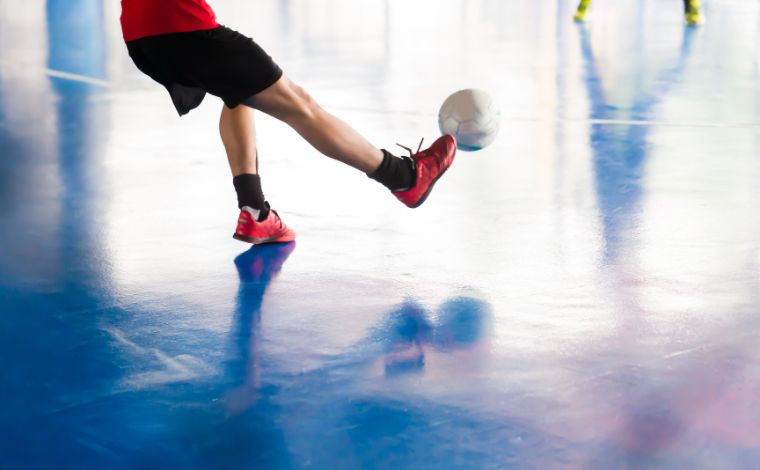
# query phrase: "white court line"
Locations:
[[74, 77], [610, 122], [77, 78], [606, 122], [623, 122]]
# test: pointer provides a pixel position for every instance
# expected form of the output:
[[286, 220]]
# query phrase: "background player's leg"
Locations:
[[289, 103]]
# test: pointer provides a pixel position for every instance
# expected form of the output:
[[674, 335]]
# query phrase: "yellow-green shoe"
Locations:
[[693, 16], [695, 19], [580, 14]]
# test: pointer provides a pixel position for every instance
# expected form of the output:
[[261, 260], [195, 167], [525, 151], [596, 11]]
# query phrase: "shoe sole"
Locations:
[[430, 188], [260, 241]]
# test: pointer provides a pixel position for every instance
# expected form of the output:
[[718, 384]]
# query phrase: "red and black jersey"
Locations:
[[141, 18]]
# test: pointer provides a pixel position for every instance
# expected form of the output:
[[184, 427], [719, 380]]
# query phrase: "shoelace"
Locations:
[[410, 150], [279, 220]]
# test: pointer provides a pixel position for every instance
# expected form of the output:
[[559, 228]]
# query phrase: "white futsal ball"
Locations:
[[471, 116]]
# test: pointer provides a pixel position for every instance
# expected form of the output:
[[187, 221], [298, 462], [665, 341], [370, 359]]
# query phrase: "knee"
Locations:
[[299, 103]]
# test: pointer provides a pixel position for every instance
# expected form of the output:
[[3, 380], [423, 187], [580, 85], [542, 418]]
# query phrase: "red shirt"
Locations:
[[140, 18]]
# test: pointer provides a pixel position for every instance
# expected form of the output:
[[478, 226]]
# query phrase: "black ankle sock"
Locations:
[[395, 173], [249, 193]]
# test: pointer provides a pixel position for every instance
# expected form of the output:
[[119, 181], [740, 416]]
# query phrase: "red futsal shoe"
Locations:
[[270, 230], [430, 164]]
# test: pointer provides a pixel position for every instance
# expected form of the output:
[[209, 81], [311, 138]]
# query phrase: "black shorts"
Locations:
[[219, 61]]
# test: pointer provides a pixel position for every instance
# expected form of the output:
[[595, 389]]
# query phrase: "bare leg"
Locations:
[[238, 131], [289, 103]]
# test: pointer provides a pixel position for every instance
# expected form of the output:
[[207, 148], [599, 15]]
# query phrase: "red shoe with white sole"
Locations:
[[430, 164], [270, 230]]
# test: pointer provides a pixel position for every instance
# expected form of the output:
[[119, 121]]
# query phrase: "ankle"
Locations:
[[249, 193], [395, 173]]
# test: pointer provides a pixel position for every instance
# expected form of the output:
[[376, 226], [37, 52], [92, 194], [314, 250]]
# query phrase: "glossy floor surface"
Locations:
[[584, 293]]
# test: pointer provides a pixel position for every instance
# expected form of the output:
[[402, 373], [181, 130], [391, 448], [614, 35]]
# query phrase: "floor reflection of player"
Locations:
[[270, 413], [458, 323], [620, 153], [633, 411], [256, 268]]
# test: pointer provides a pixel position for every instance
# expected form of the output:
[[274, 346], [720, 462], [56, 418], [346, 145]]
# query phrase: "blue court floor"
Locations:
[[585, 293]]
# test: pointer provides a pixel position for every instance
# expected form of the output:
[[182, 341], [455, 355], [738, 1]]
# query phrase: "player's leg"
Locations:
[[409, 178], [238, 132], [290, 103], [580, 13], [256, 223], [209, 60], [232, 66]]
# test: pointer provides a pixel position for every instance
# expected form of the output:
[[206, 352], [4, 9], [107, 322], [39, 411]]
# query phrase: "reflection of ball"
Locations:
[[462, 322], [472, 117]]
